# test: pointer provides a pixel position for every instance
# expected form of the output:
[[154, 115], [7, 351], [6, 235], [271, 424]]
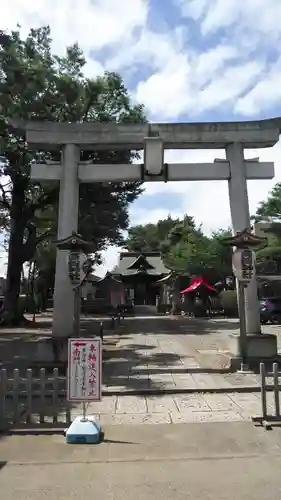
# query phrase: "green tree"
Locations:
[[269, 258], [37, 85], [220, 254], [149, 237], [44, 262], [186, 248], [270, 209], [183, 246]]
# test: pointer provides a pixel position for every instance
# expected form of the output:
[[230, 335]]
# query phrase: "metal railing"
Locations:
[[269, 382]]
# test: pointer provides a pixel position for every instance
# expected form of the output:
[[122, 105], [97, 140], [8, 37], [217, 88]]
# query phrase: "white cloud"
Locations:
[[164, 93], [212, 61], [190, 82], [252, 15], [144, 216], [238, 58], [193, 8], [193, 83], [95, 24], [263, 95], [110, 259], [225, 89], [181, 77], [153, 49]]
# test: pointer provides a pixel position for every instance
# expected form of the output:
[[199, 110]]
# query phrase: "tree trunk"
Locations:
[[11, 314]]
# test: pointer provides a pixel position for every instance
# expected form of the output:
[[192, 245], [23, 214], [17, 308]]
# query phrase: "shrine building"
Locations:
[[140, 274]]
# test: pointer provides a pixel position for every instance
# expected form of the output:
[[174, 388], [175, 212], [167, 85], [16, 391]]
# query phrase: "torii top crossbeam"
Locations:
[[215, 135]]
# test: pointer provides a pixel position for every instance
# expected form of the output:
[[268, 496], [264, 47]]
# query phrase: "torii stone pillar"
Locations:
[[240, 217], [67, 223]]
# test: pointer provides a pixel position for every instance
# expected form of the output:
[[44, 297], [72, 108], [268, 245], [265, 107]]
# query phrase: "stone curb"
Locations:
[[35, 431], [171, 391]]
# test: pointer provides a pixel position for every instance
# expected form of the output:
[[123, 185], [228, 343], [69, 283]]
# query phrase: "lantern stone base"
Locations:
[[260, 347], [51, 351]]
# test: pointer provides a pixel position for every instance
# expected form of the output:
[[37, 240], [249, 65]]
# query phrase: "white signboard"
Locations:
[[84, 369]]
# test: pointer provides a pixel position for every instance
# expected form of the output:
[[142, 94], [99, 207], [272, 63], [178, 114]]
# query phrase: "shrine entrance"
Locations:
[[233, 137]]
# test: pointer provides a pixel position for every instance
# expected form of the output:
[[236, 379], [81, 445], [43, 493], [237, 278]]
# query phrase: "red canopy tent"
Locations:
[[199, 282]]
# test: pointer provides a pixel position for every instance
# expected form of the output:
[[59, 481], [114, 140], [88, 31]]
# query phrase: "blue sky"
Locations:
[[185, 60]]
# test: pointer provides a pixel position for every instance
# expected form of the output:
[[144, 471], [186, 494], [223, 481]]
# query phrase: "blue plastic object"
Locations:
[[83, 431]]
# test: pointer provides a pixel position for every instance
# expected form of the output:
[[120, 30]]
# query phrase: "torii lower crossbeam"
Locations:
[[216, 171]]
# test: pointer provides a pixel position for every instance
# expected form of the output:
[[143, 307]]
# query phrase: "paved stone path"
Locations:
[[175, 409], [174, 355], [173, 370], [159, 354]]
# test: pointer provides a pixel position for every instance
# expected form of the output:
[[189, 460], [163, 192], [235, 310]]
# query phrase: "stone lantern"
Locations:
[[53, 351], [77, 246], [250, 348]]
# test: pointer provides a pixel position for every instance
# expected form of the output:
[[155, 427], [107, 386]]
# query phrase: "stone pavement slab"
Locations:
[[193, 402], [206, 416], [221, 402], [131, 404], [178, 408], [161, 404]]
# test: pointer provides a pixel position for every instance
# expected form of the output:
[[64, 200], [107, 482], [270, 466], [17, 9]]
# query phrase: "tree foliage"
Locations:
[[184, 247], [38, 85], [149, 237], [269, 210]]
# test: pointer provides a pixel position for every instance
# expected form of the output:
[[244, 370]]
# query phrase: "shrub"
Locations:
[[229, 303]]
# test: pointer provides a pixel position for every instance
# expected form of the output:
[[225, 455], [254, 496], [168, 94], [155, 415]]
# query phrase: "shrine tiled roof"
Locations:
[[132, 263]]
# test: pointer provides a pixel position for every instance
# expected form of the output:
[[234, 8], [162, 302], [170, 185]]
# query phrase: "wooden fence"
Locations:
[[33, 400], [39, 399]]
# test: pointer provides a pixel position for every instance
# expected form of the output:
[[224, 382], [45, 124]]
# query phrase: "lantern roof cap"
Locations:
[[244, 239], [75, 242]]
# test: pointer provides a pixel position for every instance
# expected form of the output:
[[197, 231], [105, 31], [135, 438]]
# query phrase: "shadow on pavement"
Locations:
[[34, 430], [18, 346], [179, 324], [114, 441], [183, 371], [120, 368], [222, 324], [140, 366]]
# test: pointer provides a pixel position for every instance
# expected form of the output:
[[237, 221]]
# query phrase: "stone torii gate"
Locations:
[[154, 139]]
